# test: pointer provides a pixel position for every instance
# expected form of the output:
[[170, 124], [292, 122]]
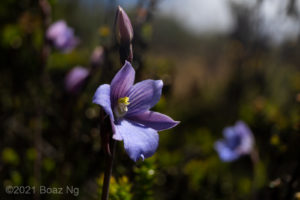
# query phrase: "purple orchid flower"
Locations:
[[128, 106], [62, 36], [238, 141], [75, 79]]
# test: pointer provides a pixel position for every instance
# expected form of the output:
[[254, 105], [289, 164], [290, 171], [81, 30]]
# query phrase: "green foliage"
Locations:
[[144, 179], [209, 83], [119, 188], [9, 156], [48, 164], [16, 178], [147, 32], [259, 175], [11, 36], [198, 171], [31, 154]]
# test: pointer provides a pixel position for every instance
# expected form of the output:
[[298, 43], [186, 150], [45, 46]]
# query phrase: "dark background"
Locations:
[[51, 138]]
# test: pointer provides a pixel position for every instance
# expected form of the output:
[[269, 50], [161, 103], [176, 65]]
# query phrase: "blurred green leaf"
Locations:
[[16, 178], [12, 36], [31, 154], [48, 164], [9, 156]]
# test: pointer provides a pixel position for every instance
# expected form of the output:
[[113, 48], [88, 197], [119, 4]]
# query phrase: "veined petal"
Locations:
[[143, 96], [102, 98], [154, 120], [122, 82], [225, 153], [139, 141]]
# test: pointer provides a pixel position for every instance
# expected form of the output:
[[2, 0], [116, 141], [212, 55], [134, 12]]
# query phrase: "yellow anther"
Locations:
[[124, 100], [121, 108]]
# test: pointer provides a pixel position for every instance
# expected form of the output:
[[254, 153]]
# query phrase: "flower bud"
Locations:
[[124, 30], [97, 57], [75, 79]]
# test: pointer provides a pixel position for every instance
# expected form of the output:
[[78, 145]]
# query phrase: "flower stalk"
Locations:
[[109, 149], [109, 158]]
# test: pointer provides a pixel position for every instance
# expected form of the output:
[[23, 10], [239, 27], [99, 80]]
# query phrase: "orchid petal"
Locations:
[[143, 96], [154, 120], [247, 141], [139, 141], [122, 82], [225, 153], [102, 98]]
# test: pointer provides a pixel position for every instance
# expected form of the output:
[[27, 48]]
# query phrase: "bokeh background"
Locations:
[[220, 60]]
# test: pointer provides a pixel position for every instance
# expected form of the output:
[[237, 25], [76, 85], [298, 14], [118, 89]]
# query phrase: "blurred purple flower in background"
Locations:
[[75, 79], [97, 57], [128, 108], [62, 36], [238, 141]]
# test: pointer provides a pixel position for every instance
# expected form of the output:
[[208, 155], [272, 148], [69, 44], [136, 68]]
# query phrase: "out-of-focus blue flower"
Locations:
[[128, 106], [75, 79], [62, 36], [238, 140], [97, 57]]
